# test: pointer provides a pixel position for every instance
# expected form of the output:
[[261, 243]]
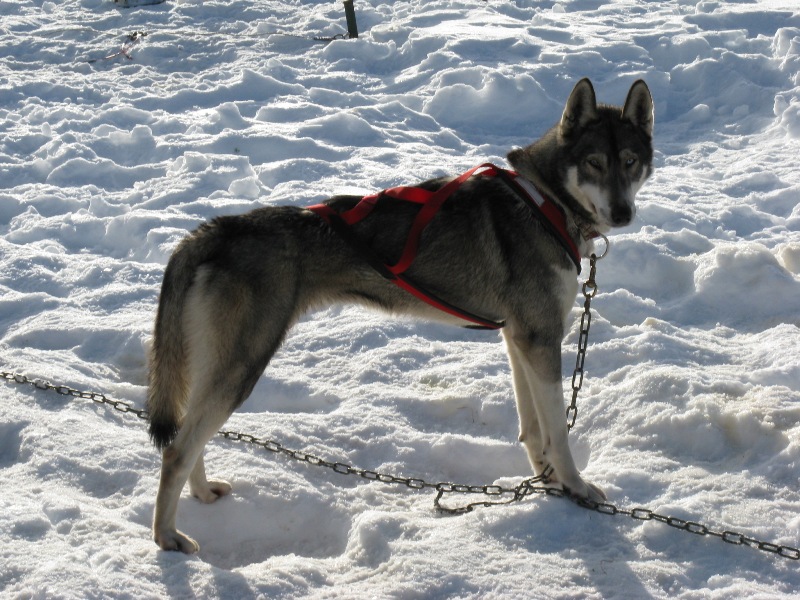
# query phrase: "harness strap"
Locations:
[[343, 229], [548, 212], [551, 215], [429, 209]]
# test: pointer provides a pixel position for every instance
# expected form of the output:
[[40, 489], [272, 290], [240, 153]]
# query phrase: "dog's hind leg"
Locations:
[[216, 391], [205, 490], [232, 333], [182, 458]]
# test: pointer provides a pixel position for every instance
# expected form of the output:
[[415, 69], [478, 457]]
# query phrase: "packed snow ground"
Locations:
[[691, 405]]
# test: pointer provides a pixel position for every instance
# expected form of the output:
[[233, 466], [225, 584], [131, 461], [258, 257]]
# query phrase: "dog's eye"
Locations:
[[594, 163], [630, 162]]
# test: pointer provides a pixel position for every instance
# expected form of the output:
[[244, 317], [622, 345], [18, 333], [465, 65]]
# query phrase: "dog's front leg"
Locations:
[[530, 433], [536, 369]]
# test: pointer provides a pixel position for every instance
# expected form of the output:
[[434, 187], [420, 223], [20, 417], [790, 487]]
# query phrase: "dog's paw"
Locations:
[[596, 493], [586, 490], [210, 491], [175, 540]]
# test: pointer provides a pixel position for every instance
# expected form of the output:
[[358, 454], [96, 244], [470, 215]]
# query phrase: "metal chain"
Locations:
[[346, 469], [589, 290], [65, 390], [525, 488], [644, 514], [278, 448]]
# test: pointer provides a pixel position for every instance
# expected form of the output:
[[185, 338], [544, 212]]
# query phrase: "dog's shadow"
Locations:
[[254, 524]]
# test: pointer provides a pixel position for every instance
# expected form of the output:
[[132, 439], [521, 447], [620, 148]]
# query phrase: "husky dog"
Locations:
[[235, 286]]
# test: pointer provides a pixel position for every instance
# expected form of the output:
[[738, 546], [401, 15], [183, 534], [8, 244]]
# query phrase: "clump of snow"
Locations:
[[691, 402]]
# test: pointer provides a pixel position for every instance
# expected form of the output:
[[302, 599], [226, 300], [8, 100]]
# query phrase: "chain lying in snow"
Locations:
[[64, 390], [525, 488], [518, 492], [278, 448]]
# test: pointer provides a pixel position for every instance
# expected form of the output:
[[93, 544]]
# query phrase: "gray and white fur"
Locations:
[[234, 287]]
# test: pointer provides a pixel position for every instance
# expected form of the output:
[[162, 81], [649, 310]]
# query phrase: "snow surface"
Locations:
[[691, 405]]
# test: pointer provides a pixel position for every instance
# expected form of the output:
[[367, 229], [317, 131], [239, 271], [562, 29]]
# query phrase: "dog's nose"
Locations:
[[621, 215]]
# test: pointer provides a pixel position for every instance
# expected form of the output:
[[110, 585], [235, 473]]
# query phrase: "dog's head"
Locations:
[[597, 157]]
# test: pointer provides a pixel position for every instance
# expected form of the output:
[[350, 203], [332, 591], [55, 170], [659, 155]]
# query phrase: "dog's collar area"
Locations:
[[550, 214], [588, 232]]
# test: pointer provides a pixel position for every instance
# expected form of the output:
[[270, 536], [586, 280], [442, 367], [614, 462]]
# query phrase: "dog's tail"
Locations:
[[168, 388]]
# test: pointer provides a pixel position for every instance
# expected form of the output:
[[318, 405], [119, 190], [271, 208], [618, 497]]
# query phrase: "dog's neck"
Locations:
[[581, 230]]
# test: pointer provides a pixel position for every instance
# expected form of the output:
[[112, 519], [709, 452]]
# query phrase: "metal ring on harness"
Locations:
[[607, 248]]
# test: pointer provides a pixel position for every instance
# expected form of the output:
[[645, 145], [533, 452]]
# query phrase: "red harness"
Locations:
[[550, 214]]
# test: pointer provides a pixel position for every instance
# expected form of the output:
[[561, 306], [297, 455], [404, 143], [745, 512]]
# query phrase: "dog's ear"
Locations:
[[638, 107], [581, 108]]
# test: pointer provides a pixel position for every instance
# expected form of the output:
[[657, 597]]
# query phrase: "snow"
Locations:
[[691, 404]]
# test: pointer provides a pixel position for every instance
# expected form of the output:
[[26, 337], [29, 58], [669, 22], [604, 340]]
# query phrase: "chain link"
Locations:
[[65, 390], [346, 469], [589, 290], [729, 537]]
